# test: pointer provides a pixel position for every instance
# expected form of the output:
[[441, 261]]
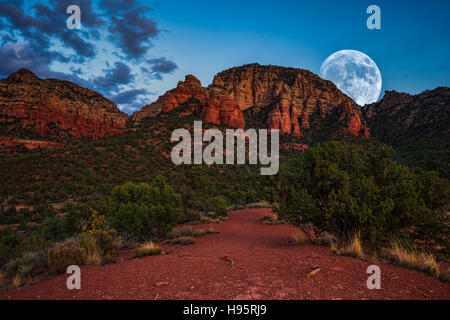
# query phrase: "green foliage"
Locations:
[[342, 190], [140, 210], [64, 254], [97, 237]]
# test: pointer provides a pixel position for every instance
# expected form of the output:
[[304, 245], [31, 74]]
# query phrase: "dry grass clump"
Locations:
[[93, 252], [353, 247], [17, 281], [188, 231], [271, 220], [148, 249], [408, 256], [299, 238], [205, 219]]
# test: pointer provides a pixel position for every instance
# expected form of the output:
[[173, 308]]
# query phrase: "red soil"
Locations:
[[265, 265]]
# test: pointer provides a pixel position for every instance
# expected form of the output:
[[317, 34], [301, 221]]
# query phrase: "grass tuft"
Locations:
[[353, 247], [409, 257], [299, 238], [148, 249]]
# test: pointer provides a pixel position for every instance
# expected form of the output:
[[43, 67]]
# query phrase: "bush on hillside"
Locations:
[[145, 210], [339, 189], [64, 254]]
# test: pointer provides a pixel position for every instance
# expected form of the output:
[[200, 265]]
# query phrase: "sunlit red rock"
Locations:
[[213, 104], [57, 109], [295, 97]]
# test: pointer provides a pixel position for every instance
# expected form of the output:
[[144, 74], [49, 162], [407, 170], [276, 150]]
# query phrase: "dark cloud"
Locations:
[[132, 100], [34, 37], [162, 65], [119, 75], [128, 96], [118, 5], [14, 57], [133, 32]]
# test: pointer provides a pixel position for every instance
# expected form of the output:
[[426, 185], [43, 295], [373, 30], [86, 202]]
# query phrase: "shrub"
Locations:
[[339, 189], [97, 238], [64, 254], [144, 209]]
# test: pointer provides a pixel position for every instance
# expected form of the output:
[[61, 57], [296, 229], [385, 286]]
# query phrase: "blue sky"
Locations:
[[133, 51]]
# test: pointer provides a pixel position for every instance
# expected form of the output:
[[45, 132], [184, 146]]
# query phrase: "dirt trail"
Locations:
[[247, 260]]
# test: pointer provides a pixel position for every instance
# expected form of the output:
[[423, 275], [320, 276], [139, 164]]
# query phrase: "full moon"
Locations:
[[355, 74]]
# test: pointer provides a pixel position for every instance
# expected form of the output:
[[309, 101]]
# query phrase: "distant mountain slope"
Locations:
[[418, 126], [400, 116], [33, 108]]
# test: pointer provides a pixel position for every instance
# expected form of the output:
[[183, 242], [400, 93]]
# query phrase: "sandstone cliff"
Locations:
[[293, 100], [213, 104], [59, 110], [288, 99]]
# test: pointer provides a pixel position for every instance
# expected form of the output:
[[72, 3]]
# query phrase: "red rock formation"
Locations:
[[295, 97], [57, 109], [11, 142], [213, 104]]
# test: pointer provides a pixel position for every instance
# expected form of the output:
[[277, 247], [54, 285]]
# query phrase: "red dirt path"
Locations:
[[265, 266]]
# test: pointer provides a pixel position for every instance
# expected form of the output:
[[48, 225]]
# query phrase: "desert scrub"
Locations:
[[64, 254], [148, 249], [97, 238], [24, 266], [188, 231]]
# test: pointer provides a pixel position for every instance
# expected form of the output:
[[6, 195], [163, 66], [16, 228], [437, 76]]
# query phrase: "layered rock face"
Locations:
[[399, 117], [288, 99], [213, 104], [56, 109], [294, 98]]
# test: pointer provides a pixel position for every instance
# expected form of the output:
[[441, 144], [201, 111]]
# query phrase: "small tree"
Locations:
[[339, 189], [144, 209]]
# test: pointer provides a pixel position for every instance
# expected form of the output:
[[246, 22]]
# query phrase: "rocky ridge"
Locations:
[[400, 116], [55, 109], [212, 103]]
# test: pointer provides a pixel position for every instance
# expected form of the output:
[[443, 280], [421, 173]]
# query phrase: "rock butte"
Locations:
[[292, 97], [57, 109]]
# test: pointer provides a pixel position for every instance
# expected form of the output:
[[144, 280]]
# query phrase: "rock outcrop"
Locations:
[[296, 99], [400, 117], [55, 109], [288, 99], [213, 104]]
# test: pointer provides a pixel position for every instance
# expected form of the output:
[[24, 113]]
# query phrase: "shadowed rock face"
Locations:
[[56, 109], [213, 104], [293, 97], [398, 117]]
